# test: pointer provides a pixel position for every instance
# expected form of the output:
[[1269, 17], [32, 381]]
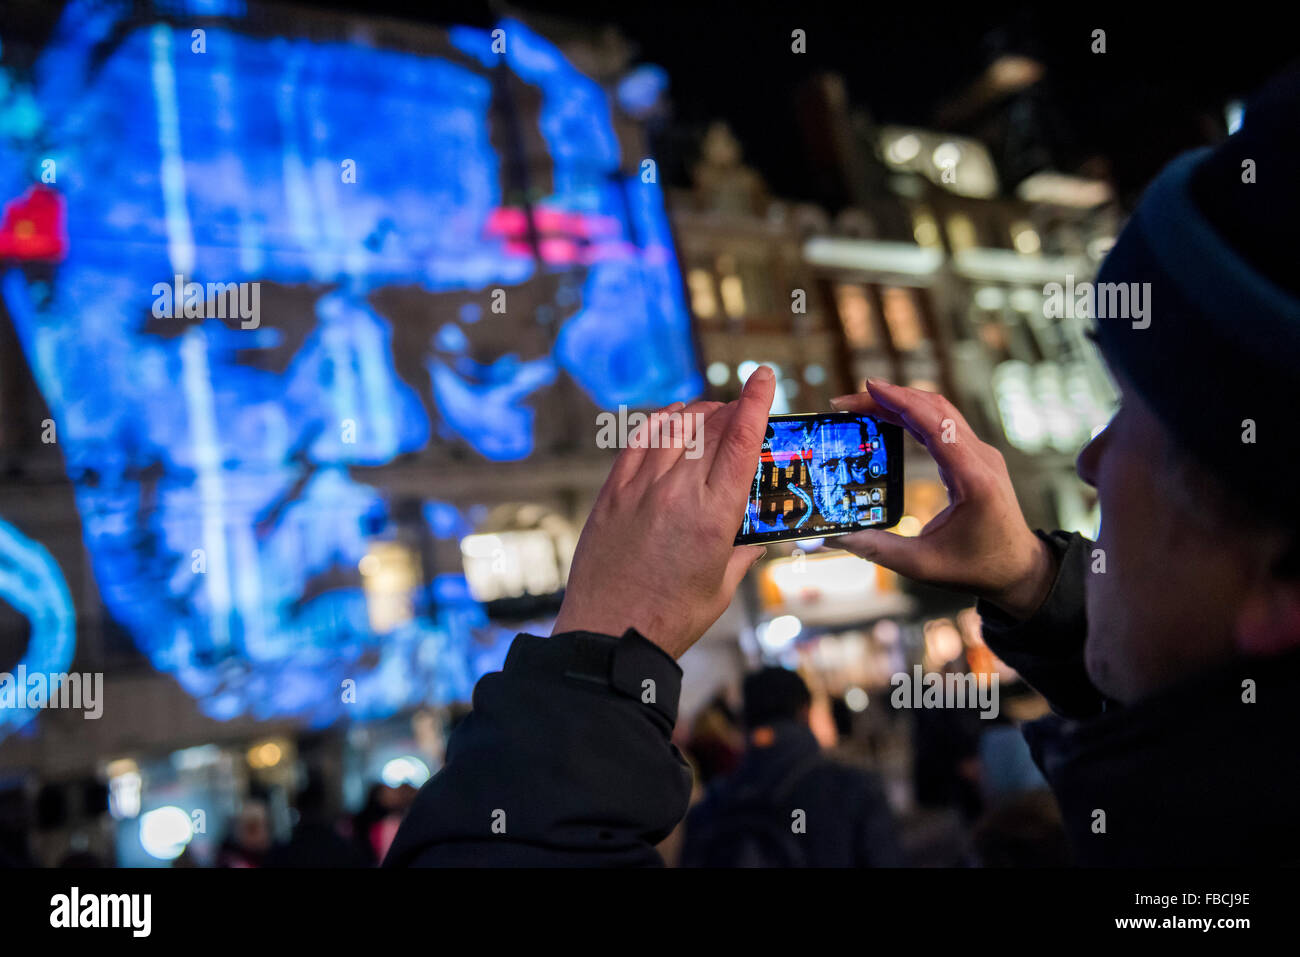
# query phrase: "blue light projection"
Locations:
[[31, 582], [213, 460]]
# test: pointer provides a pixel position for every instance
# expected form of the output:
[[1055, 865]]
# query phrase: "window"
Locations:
[[733, 296], [925, 230], [1025, 238], [961, 232], [855, 315], [510, 564], [903, 318], [703, 302], [390, 575], [732, 289]]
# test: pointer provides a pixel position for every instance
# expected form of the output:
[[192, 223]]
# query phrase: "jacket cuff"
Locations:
[[630, 665], [1059, 626], [1048, 649]]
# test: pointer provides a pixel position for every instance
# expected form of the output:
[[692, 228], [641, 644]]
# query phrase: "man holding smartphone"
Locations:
[[1169, 648]]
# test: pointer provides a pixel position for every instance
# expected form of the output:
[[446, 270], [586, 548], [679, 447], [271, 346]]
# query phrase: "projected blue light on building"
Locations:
[[214, 460], [31, 582]]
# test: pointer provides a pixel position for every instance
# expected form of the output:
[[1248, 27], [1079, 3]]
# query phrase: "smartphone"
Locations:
[[824, 474]]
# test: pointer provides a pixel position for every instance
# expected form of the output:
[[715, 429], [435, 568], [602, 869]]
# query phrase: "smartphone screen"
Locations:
[[824, 474]]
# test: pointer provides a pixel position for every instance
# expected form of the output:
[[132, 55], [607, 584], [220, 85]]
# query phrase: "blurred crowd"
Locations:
[[878, 786], [860, 787]]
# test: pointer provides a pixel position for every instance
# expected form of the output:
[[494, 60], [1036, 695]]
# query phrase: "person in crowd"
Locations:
[[249, 838], [1022, 831], [751, 818], [1169, 649], [376, 824], [15, 849], [945, 752], [715, 743], [315, 841]]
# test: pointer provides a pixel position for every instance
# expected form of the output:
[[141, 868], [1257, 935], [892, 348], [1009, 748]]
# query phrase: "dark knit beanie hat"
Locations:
[[1211, 250]]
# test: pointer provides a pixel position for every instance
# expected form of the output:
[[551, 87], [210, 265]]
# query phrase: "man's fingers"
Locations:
[[930, 418], [739, 443], [863, 403], [901, 554], [680, 435], [629, 461]]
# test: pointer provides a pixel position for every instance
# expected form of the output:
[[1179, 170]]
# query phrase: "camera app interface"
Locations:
[[818, 476]]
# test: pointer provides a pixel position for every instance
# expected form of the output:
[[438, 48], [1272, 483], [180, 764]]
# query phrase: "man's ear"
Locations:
[[1269, 620]]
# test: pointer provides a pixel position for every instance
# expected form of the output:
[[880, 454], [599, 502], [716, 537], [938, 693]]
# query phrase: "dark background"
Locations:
[[1167, 70]]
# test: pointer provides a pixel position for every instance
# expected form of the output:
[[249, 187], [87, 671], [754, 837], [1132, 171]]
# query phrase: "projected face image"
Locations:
[[231, 453], [817, 475]]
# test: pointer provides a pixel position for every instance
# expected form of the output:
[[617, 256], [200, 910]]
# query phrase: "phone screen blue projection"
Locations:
[[818, 475], [229, 473]]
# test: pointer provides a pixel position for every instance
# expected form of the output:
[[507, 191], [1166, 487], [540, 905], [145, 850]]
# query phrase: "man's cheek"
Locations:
[[1110, 611]]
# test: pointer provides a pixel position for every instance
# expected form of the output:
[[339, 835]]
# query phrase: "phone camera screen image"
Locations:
[[821, 475]]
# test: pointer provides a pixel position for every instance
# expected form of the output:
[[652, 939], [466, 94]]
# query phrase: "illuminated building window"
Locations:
[[511, 564], [902, 318], [731, 287], [389, 576], [1021, 419], [517, 560], [1025, 238], [703, 302], [925, 230], [124, 789], [733, 296], [961, 232], [855, 316]]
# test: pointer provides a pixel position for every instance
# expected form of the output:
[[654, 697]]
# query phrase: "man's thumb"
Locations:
[[895, 552], [742, 560]]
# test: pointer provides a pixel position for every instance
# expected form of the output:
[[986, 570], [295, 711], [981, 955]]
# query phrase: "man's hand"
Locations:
[[980, 542], [656, 553]]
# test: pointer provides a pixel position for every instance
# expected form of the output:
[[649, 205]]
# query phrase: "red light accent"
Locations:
[[768, 456], [563, 237], [34, 227]]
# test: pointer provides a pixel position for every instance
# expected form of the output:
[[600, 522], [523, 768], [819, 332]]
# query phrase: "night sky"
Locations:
[[1146, 98]]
